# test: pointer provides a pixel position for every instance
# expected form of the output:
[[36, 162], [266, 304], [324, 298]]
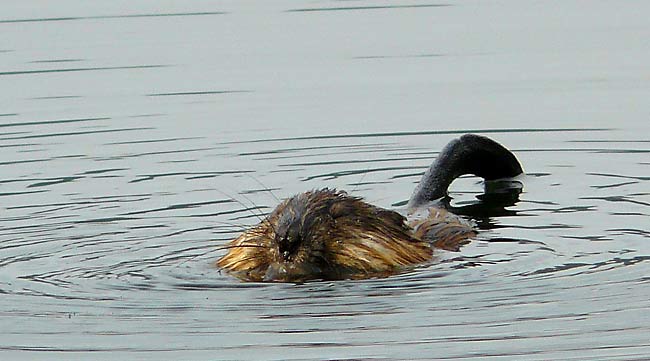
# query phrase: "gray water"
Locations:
[[137, 137]]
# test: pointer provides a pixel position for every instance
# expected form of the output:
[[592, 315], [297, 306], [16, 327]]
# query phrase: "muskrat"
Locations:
[[327, 234]]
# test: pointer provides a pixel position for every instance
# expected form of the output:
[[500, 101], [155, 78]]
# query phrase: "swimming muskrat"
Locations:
[[327, 234]]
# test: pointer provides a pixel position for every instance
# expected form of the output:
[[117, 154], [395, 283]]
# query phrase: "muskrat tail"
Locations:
[[443, 230], [470, 154]]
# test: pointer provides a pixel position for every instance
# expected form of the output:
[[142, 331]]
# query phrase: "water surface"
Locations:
[[134, 141]]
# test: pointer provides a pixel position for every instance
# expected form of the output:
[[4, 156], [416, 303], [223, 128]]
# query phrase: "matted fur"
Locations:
[[443, 229]]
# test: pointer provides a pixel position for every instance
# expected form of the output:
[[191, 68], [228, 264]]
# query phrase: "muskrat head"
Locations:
[[288, 234], [289, 245], [298, 241]]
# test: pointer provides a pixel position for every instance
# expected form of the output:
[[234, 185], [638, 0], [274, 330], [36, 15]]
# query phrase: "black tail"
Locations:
[[470, 154]]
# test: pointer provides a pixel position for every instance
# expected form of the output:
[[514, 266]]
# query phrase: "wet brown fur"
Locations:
[[327, 234]]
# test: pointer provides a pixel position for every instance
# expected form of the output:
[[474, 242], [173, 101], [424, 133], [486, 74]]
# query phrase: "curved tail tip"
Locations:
[[469, 154], [488, 159]]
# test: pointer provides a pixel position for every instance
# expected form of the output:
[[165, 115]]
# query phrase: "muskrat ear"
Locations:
[[390, 217], [340, 209]]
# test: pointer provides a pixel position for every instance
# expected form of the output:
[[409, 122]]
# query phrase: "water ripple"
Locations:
[[375, 7], [67, 70], [128, 160], [125, 16], [418, 133]]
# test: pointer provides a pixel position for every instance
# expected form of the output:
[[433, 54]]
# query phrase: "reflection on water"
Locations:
[[134, 143]]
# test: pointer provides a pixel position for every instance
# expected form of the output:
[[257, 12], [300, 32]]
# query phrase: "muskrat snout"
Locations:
[[288, 236], [291, 272]]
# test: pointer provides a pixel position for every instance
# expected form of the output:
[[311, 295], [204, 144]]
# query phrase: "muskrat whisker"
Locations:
[[246, 259], [198, 255], [259, 216], [255, 206], [356, 186], [265, 187], [240, 226], [231, 246], [270, 224]]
